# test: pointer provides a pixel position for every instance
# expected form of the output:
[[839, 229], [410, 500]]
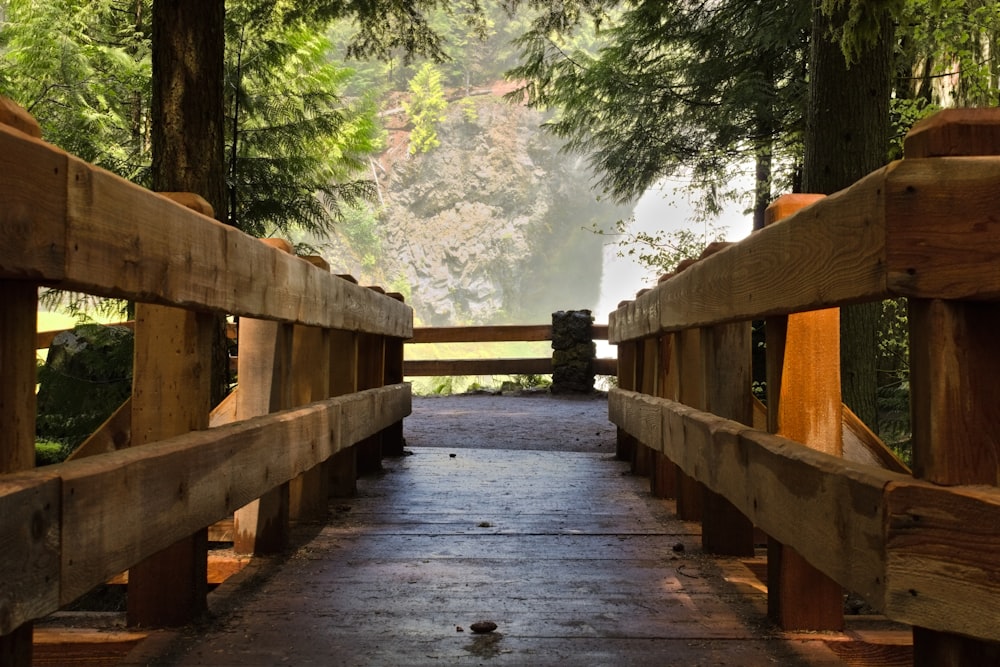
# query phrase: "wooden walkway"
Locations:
[[565, 551]]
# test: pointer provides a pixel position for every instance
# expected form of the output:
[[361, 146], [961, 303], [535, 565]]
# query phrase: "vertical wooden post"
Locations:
[[371, 374], [691, 391], [727, 379], [171, 395], [265, 361], [18, 312], [392, 435], [625, 444], [343, 380], [804, 404], [308, 493], [954, 368], [663, 479], [646, 376]]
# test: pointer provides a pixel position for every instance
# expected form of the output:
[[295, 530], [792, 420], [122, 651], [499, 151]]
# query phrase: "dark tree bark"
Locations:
[[847, 137]]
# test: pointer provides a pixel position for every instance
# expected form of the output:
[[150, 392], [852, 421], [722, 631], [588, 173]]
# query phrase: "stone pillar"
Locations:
[[573, 352]]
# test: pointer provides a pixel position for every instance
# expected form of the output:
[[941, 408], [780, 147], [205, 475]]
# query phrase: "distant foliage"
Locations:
[[297, 151], [425, 108]]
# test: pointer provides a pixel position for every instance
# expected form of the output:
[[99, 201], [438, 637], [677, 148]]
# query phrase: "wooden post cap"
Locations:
[[280, 244], [191, 201], [785, 205], [954, 132], [348, 277], [398, 296], [17, 117], [317, 261]]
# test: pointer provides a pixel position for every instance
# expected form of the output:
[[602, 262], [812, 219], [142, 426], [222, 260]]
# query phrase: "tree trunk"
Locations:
[[847, 137]]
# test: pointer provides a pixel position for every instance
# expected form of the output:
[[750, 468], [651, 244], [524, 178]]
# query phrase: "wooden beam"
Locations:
[[445, 367], [265, 361], [916, 228], [79, 227], [17, 452], [494, 334], [171, 395], [120, 507], [921, 553]]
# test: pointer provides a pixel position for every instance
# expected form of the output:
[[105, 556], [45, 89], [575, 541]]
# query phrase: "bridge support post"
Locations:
[[308, 493], [392, 436], [953, 379], [265, 361], [728, 382], [691, 391], [625, 443], [663, 475], [18, 313], [343, 469], [171, 395], [371, 374], [803, 362]]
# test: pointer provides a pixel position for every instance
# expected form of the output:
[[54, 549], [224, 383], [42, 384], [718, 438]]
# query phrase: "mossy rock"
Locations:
[[86, 377]]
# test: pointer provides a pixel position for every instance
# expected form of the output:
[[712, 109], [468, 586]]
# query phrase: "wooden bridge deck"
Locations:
[[565, 551]]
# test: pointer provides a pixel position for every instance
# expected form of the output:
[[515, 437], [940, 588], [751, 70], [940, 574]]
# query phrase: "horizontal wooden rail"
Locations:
[[73, 526], [75, 226], [923, 554], [494, 334], [916, 228], [447, 367]]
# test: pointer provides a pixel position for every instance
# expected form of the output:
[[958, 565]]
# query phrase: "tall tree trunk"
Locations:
[[847, 137], [187, 117]]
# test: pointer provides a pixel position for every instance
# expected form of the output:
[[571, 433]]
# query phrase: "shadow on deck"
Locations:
[[511, 510]]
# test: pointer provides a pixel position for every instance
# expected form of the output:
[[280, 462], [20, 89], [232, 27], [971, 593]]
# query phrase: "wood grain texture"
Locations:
[[923, 554], [79, 227], [942, 570], [29, 552], [121, 507], [917, 228], [17, 117], [782, 487], [445, 367]]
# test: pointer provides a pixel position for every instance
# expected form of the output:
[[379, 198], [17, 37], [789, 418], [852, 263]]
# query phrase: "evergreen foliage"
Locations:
[[678, 87], [295, 148], [426, 108], [82, 69]]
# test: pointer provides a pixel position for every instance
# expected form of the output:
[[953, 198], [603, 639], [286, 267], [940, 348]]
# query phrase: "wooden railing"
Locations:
[[923, 549], [320, 379], [493, 334]]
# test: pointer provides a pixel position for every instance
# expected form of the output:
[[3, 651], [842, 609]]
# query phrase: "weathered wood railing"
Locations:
[[493, 334], [923, 549], [313, 390]]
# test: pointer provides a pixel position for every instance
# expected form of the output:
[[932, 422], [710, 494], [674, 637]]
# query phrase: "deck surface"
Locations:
[[564, 550]]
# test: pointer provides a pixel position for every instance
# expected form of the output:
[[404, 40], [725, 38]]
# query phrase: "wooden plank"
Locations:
[[942, 570], [114, 434], [343, 380], [804, 404], [121, 507], [493, 334], [690, 383], [265, 361], [727, 380], [82, 228], [917, 228], [33, 192], [171, 395], [445, 367], [371, 374], [482, 334], [308, 493], [29, 551], [17, 117]]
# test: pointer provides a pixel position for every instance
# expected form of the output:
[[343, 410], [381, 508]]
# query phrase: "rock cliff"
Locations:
[[492, 225]]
